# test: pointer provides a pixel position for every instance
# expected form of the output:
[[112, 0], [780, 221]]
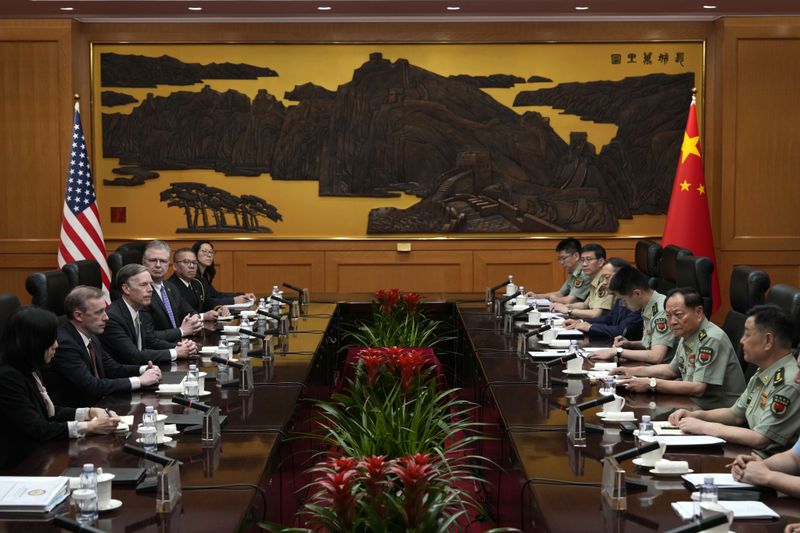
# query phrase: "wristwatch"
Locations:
[[652, 384], [569, 313], [619, 351]]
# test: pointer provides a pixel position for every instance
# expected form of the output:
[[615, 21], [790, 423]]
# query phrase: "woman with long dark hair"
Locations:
[[206, 271], [30, 418]]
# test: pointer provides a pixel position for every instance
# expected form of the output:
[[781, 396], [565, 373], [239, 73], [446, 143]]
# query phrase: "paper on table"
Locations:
[[548, 354], [170, 388], [722, 480], [741, 509], [692, 440], [126, 419], [543, 302], [663, 427]]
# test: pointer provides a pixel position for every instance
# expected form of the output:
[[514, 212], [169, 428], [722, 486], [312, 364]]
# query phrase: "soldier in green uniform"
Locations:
[[599, 301], [576, 287], [705, 366], [765, 417], [658, 343]]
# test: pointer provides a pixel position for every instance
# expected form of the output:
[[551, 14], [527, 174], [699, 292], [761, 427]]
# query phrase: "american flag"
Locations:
[[81, 234]]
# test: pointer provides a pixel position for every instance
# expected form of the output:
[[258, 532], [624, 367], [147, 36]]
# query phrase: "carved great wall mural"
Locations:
[[464, 161]]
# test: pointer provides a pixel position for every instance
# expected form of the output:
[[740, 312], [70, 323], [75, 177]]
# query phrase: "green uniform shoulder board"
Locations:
[[702, 335], [705, 355], [779, 405], [661, 325], [778, 378]]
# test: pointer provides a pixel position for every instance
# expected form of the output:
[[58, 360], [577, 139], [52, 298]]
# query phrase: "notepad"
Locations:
[[663, 427], [748, 510], [722, 480], [32, 494]]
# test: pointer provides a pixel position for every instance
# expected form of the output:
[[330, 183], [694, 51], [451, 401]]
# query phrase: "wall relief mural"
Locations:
[[417, 149]]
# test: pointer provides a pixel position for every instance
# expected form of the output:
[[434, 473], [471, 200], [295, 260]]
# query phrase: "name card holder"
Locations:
[[169, 488], [246, 378], [544, 383], [612, 488], [490, 298], [306, 297], [211, 458], [576, 431], [211, 431]]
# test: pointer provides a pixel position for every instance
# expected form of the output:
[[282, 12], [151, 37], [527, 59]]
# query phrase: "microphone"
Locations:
[[226, 362], [296, 289], [500, 285], [509, 298], [150, 456], [73, 525], [270, 314], [299, 292], [543, 329], [524, 311], [279, 299], [568, 357], [636, 452], [180, 400], [252, 333], [594, 403], [701, 525]]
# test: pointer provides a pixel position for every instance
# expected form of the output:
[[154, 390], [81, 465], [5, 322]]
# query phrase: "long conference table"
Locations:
[[555, 484]]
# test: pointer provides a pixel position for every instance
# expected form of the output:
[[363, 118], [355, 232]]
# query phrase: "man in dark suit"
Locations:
[[129, 335], [81, 371], [193, 292], [173, 318]]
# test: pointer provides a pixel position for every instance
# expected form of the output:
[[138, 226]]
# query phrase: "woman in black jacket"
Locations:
[[206, 271], [30, 418]]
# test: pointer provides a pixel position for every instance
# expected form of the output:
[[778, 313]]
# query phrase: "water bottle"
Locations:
[[88, 482], [510, 288], [276, 305], [707, 493], [573, 347], [244, 339], [262, 320], [191, 384], [646, 427], [521, 299], [608, 386], [149, 416], [222, 351]]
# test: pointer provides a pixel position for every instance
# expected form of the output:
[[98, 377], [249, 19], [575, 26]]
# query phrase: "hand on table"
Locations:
[[606, 354], [635, 384], [191, 325]]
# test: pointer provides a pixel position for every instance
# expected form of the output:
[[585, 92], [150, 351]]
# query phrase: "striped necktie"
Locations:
[[165, 299]]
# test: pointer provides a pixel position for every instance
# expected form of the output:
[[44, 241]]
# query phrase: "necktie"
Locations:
[[93, 358], [165, 299], [137, 325], [48, 403]]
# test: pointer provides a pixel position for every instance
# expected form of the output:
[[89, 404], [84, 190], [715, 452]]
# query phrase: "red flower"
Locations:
[[392, 355], [416, 478], [410, 364], [388, 300], [337, 489], [372, 364], [375, 469], [412, 299]]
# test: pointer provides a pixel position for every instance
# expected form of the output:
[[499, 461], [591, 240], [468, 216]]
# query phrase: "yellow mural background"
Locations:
[[305, 214]]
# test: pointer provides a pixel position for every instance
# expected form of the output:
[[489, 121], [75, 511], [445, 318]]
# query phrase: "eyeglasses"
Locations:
[[563, 258], [187, 262], [588, 259], [156, 261], [207, 252]]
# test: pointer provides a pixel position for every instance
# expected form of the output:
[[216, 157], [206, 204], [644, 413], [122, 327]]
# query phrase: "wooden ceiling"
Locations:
[[261, 10]]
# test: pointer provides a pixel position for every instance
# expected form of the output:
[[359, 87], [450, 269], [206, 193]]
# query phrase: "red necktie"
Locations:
[[93, 357]]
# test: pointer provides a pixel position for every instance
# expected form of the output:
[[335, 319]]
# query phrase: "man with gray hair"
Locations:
[[81, 371], [173, 318], [129, 335]]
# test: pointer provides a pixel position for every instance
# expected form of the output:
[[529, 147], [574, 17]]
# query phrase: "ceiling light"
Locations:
[[66, 8], [324, 8], [581, 8], [195, 8], [709, 7], [453, 8]]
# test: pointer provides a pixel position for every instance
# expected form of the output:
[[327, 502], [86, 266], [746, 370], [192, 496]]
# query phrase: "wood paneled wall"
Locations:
[[749, 132]]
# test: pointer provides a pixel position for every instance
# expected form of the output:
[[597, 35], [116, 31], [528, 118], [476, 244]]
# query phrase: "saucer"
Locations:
[[615, 417], [162, 440], [638, 461], [557, 343], [209, 349], [225, 318], [110, 506], [171, 392], [171, 429], [579, 372], [660, 473]]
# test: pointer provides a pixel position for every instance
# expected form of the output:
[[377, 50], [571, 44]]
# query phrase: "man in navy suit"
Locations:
[[129, 335], [81, 371], [193, 292], [173, 318]]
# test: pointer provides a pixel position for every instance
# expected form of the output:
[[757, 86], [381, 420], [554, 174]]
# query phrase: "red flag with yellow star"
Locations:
[[688, 221]]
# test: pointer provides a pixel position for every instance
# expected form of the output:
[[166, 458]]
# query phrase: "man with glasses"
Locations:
[[576, 287], [184, 279], [705, 367], [173, 318], [599, 300]]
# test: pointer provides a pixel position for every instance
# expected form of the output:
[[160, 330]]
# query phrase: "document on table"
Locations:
[[722, 480], [751, 510], [244, 305], [32, 494], [663, 427]]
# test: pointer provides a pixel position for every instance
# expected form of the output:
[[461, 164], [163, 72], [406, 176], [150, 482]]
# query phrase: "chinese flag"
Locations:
[[688, 221]]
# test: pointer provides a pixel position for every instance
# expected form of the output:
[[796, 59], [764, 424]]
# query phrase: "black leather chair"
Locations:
[[787, 298], [668, 268], [697, 272], [84, 272], [134, 249], [648, 254], [48, 290], [747, 289], [8, 304]]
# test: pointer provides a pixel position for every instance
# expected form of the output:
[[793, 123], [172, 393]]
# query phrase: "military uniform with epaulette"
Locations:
[[656, 330], [599, 296], [771, 404], [707, 356], [577, 285]]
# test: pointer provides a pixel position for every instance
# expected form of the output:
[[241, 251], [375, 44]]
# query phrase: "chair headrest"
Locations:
[[669, 257], [48, 290], [787, 298], [648, 255], [748, 287]]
